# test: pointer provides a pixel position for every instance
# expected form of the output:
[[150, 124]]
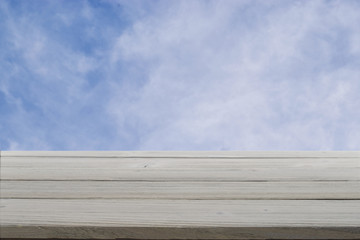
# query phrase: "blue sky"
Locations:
[[179, 75]]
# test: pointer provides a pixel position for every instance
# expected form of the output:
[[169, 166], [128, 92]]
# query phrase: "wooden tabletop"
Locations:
[[180, 195]]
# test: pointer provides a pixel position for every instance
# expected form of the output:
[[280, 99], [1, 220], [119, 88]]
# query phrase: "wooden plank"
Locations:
[[191, 163], [184, 154], [180, 169], [189, 233], [180, 195], [180, 213], [230, 174], [179, 190]]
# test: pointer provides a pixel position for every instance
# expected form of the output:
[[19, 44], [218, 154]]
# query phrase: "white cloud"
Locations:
[[242, 76], [181, 75]]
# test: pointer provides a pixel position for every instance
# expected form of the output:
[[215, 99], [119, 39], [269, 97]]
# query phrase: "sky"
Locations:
[[180, 75]]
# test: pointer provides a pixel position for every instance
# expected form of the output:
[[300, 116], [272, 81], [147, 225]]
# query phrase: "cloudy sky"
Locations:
[[179, 75]]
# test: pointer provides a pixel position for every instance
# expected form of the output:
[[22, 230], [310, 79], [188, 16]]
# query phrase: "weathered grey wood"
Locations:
[[184, 154], [177, 169], [85, 232], [180, 213], [179, 190], [180, 169], [220, 174], [180, 195], [175, 163]]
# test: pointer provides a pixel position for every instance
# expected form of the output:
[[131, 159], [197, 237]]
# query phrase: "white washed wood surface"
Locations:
[[183, 175], [180, 190], [180, 195], [184, 154], [181, 213], [180, 169]]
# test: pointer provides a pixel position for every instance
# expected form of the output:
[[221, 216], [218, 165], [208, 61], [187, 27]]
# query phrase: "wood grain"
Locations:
[[180, 169], [185, 154], [180, 190], [180, 195], [181, 213]]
